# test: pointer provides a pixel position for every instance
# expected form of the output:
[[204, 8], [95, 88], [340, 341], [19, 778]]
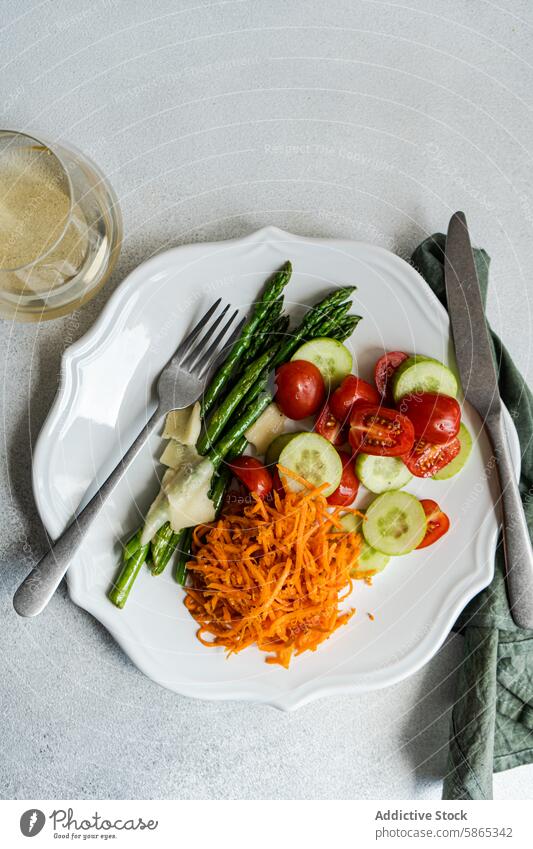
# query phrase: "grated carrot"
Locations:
[[271, 575]]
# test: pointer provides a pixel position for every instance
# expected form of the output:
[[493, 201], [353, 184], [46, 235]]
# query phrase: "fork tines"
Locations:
[[198, 357]]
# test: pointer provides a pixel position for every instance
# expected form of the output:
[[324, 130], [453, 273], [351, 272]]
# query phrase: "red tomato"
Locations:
[[236, 498], [435, 418], [329, 427], [426, 459], [253, 475], [301, 389], [278, 485], [380, 431], [437, 522], [347, 489], [384, 370], [351, 391]]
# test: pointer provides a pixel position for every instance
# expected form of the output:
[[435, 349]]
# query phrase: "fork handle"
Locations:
[[516, 540], [39, 586]]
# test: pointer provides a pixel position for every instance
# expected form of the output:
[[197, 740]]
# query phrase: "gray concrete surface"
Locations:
[[368, 120]]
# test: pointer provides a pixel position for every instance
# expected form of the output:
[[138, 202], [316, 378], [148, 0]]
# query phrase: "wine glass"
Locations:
[[60, 228]]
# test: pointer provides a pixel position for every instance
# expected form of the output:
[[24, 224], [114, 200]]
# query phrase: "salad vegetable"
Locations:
[[395, 523], [379, 474], [454, 466], [423, 374], [384, 372], [276, 446], [348, 486], [435, 418], [437, 525], [370, 561], [380, 431], [329, 427], [260, 599], [313, 458], [268, 306], [331, 357], [300, 389], [426, 459], [353, 390], [253, 475]]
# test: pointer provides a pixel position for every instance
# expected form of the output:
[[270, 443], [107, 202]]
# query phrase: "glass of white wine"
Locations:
[[60, 228]]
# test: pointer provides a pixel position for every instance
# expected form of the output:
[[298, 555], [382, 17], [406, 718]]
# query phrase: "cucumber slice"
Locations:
[[380, 474], [422, 374], [370, 560], [276, 447], [331, 358], [458, 462], [314, 459], [395, 523]]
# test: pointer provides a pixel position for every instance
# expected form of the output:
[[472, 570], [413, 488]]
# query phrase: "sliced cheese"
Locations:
[[174, 454], [184, 425], [269, 424], [157, 515], [186, 489]]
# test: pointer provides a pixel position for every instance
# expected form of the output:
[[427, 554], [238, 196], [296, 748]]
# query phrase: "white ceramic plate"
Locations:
[[108, 387]]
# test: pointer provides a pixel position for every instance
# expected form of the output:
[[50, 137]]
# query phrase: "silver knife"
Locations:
[[480, 385]]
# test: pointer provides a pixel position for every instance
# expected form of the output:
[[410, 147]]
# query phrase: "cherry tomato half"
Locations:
[[435, 418], [347, 489], [301, 389], [352, 390], [236, 499], [384, 370], [437, 522], [380, 431], [426, 458], [329, 427], [253, 475], [278, 484]]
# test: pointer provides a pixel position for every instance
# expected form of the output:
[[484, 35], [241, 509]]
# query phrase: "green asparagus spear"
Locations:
[[342, 328], [230, 439], [120, 590], [271, 294], [165, 553], [132, 546], [264, 337], [184, 555], [310, 326], [216, 424], [158, 548]]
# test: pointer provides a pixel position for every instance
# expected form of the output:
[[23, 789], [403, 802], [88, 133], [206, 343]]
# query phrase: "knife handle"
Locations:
[[516, 541]]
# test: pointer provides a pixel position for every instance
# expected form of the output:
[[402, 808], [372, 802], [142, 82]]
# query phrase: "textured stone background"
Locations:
[[367, 120]]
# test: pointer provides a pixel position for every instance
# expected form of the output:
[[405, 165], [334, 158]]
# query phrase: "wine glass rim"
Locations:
[[49, 149]]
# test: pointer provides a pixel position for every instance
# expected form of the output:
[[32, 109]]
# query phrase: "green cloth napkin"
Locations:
[[492, 718]]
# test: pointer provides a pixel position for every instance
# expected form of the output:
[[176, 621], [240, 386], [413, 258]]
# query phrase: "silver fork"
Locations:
[[178, 386]]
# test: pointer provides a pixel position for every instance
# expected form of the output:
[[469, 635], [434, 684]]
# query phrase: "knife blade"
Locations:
[[473, 350], [479, 378]]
